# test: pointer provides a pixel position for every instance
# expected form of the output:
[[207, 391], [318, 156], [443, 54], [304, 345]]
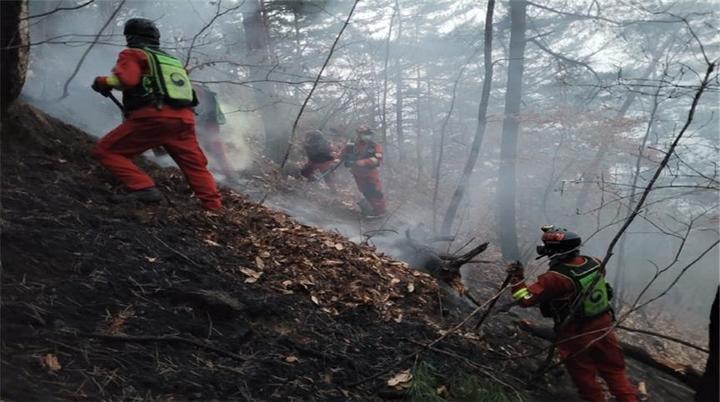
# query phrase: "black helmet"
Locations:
[[364, 130], [558, 241], [141, 32]]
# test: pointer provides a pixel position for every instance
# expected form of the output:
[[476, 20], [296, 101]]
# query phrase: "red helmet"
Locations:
[[558, 241]]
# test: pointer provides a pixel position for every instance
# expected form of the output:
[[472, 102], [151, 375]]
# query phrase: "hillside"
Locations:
[[169, 302]]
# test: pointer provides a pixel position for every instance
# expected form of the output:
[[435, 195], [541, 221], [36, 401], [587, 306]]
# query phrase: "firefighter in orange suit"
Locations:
[[586, 339]]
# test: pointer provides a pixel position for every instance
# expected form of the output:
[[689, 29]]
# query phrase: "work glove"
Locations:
[[515, 270], [100, 85]]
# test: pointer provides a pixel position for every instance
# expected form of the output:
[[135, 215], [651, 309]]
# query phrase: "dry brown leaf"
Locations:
[[259, 263], [401, 380], [291, 359], [251, 273], [51, 362], [315, 300], [339, 247], [212, 243], [442, 391], [265, 254], [411, 287]]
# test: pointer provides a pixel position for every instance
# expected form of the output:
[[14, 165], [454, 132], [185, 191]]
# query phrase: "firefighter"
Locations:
[[363, 157], [157, 101], [209, 118], [322, 158], [585, 339]]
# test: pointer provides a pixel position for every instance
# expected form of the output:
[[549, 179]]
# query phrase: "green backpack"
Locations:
[[168, 81]]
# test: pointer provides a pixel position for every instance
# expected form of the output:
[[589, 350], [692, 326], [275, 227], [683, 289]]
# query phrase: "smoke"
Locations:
[[579, 74]]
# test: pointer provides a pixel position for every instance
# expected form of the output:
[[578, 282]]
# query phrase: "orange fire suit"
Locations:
[[367, 156], [149, 127], [603, 357]]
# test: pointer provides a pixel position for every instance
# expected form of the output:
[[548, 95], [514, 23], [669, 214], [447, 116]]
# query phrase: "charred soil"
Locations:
[[168, 302]]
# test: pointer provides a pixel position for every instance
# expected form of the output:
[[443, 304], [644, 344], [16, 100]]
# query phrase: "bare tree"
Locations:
[[13, 50], [481, 125], [511, 125]]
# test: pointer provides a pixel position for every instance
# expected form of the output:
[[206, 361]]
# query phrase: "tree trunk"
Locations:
[[385, 82], [399, 94], [707, 389], [418, 127], [482, 123], [257, 40], [14, 51], [511, 124]]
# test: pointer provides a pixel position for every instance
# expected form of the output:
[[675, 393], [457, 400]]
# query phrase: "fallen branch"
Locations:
[[505, 283], [484, 370], [429, 345], [164, 338], [87, 51], [663, 336]]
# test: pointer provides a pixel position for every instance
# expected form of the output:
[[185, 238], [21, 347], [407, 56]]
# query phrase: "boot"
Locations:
[[148, 195]]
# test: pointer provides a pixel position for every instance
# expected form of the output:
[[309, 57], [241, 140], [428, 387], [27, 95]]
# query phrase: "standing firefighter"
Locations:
[[586, 339], [157, 100], [209, 119], [363, 157], [322, 158]]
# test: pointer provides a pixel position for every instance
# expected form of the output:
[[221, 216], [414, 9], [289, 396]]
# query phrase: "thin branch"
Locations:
[[217, 15], [87, 51], [317, 79], [58, 9], [165, 338]]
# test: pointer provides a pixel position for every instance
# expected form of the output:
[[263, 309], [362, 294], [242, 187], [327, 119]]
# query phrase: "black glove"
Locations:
[[515, 269], [101, 89]]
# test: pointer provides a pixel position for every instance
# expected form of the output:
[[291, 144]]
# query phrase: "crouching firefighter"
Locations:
[[322, 158], [363, 157], [584, 340], [157, 102], [209, 118]]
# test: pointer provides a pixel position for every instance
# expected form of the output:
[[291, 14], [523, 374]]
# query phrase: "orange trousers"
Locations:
[[604, 357], [135, 136], [370, 186]]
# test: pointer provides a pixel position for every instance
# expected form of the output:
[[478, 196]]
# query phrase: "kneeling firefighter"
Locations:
[[585, 339], [321, 158], [363, 157], [157, 101]]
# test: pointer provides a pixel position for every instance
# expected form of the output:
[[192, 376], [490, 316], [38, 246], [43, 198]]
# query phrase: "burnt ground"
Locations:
[[168, 302]]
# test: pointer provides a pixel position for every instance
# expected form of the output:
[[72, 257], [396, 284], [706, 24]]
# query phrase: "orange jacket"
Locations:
[[131, 65]]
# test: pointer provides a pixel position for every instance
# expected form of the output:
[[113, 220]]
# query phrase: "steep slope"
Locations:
[[168, 302]]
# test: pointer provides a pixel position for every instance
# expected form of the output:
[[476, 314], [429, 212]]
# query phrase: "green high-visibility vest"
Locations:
[[582, 276]]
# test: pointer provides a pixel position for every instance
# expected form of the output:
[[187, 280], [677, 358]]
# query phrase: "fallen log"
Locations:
[[683, 373]]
